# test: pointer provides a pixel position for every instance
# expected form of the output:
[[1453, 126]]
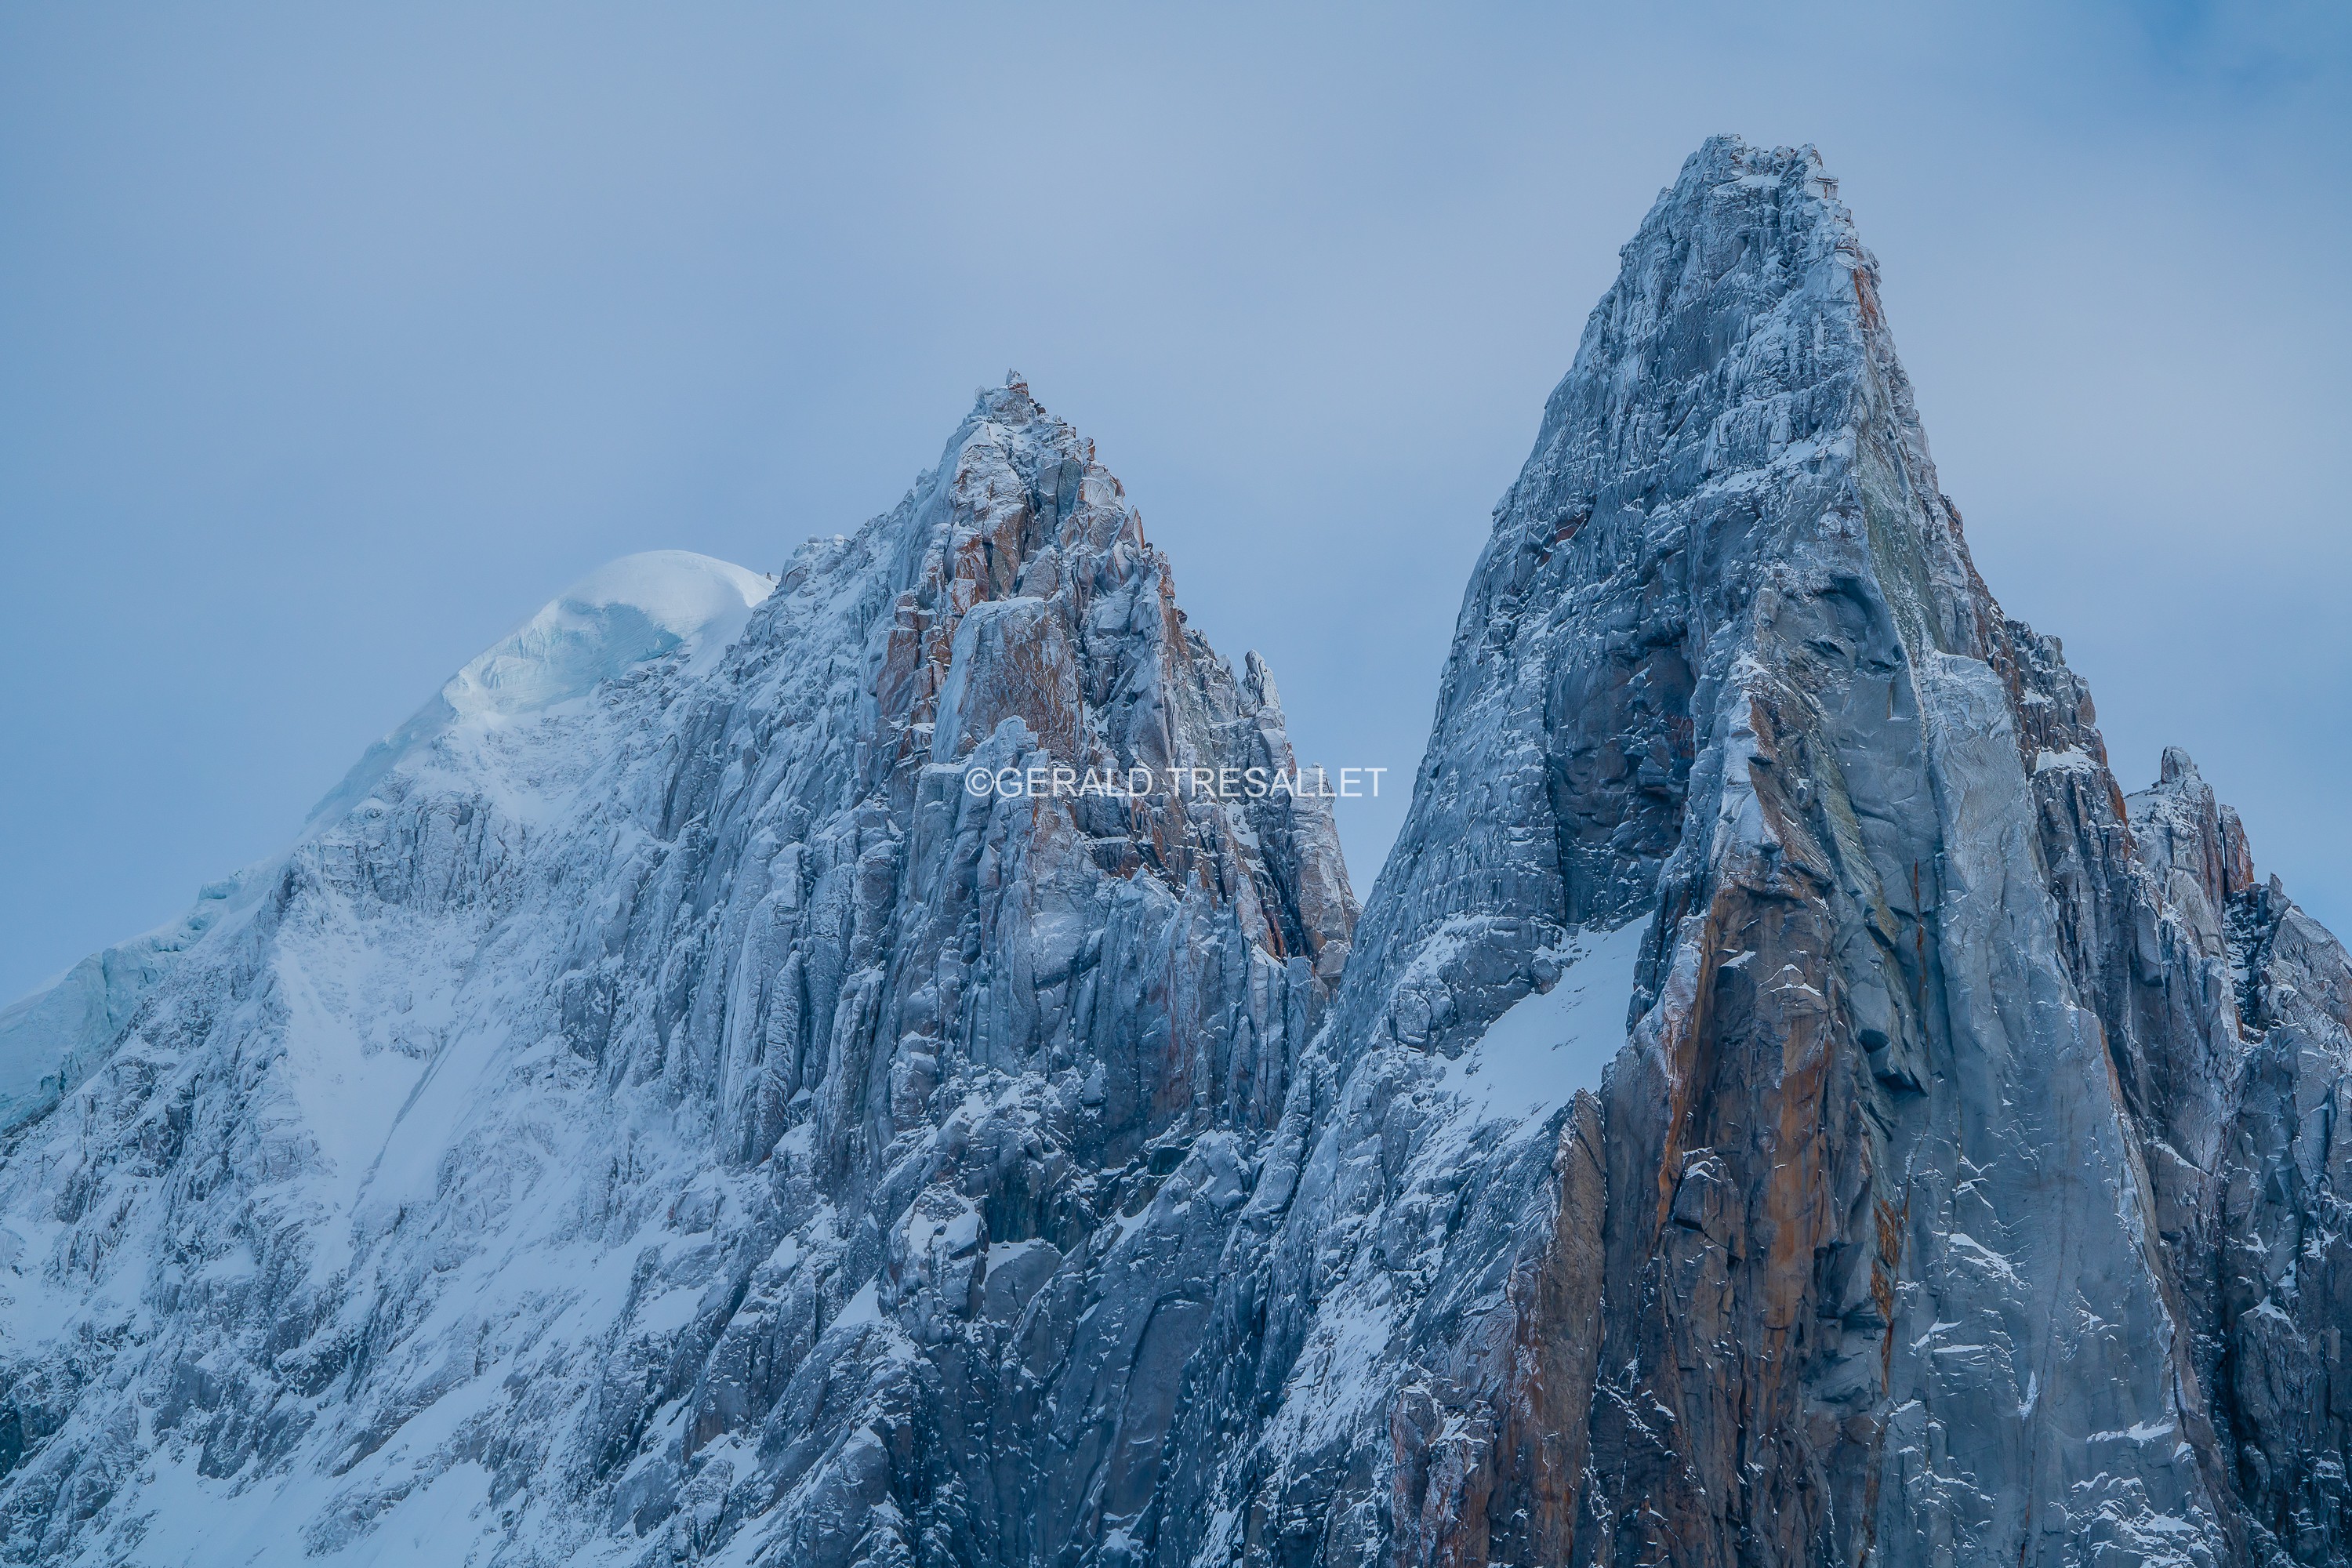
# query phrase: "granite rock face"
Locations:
[[1920, 1219], [661, 1110], [659, 1113], [1963, 1189]]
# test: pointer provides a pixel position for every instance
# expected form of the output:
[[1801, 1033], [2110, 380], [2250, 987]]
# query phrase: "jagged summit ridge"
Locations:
[[1726, 388], [657, 1077]]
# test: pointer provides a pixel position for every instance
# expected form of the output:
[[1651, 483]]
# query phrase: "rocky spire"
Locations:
[[627, 1103], [1900, 1229]]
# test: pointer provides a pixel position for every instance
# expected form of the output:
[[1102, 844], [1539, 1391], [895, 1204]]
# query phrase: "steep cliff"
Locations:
[[1964, 1189], [658, 1095]]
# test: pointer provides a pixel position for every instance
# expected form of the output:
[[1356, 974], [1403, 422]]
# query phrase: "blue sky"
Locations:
[[335, 340]]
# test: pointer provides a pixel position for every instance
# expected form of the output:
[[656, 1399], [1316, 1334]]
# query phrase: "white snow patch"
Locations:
[[866, 1307], [1550, 1043], [1001, 1253], [1992, 1262], [2141, 1432], [669, 1312]]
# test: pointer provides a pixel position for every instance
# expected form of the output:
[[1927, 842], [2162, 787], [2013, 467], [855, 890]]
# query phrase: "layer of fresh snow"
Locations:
[[2074, 758], [1552, 1043]]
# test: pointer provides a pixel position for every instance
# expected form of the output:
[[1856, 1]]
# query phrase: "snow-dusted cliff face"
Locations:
[[1967, 1188], [657, 1109], [657, 1114]]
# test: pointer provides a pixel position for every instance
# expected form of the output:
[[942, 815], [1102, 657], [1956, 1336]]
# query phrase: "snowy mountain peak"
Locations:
[[625, 612], [622, 616], [658, 1034], [1943, 1188]]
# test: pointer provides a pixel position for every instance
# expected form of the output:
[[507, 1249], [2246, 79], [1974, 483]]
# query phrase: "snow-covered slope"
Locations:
[[635, 609]]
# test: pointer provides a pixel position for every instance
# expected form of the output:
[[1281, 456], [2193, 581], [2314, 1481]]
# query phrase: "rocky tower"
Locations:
[[1966, 1189], [658, 1109]]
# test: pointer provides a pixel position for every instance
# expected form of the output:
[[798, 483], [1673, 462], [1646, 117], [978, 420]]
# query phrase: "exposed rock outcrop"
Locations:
[[662, 1101]]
